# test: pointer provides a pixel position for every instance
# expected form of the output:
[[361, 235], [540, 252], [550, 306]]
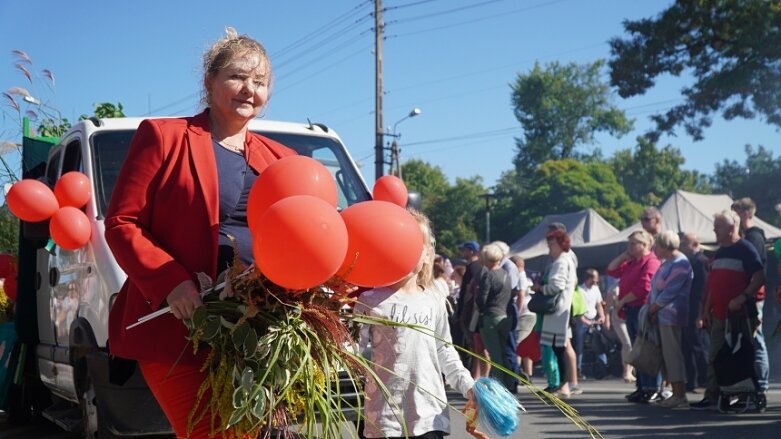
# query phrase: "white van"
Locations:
[[75, 289]]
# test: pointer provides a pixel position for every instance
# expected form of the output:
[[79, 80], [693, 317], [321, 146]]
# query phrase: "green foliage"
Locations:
[[429, 180], [561, 107], [9, 231], [731, 47], [649, 174], [455, 210], [562, 186], [49, 127], [758, 178], [105, 110]]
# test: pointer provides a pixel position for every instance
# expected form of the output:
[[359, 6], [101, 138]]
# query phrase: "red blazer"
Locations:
[[162, 226]]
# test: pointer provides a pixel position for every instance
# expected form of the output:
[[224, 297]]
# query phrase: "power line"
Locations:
[[450, 11], [473, 20], [320, 29]]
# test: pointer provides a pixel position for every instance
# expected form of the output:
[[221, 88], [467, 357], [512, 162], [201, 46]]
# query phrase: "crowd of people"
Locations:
[[205, 165], [663, 287]]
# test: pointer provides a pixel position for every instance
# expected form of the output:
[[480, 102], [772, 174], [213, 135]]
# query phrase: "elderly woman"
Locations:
[[560, 277], [634, 268], [669, 306], [494, 292]]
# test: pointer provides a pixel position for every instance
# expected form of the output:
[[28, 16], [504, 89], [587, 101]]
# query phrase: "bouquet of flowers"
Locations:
[[275, 358]]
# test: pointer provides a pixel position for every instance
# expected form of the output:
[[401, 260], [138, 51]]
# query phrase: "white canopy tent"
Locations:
[[583, 226], [682, 212]]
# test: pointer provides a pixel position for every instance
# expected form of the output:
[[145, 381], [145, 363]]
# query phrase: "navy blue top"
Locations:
[[235, 178]]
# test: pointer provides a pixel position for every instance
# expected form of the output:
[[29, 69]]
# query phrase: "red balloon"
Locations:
[[391, 189], [299, 242], [73, 189], [293, 175], [70, 228], [385, 244], [30, 200]]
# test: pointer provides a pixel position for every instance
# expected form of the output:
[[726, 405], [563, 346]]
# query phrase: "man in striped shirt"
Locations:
[[736, 275]]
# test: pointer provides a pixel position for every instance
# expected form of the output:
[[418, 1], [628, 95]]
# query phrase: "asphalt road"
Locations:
[[602, 404]]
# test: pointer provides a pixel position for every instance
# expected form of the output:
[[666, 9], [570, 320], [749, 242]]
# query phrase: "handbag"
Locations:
[[543, 304], [734, 362], [646, 354]]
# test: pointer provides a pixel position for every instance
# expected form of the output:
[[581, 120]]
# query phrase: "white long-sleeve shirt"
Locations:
[[410, 363]]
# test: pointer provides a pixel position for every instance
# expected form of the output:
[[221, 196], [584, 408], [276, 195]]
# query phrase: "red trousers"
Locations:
[[175, 389]]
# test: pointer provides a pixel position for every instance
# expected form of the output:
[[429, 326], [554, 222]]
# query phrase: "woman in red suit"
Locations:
[[182, 190]]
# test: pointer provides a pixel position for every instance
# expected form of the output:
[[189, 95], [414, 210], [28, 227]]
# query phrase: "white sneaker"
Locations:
[[675, 402], [666, 393]]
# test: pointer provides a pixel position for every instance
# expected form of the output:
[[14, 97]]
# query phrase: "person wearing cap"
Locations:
[[745, 208]]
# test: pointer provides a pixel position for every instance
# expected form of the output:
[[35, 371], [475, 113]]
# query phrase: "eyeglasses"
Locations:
[[646, 218]]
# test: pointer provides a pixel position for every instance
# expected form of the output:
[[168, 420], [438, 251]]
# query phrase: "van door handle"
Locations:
[[54, 276]]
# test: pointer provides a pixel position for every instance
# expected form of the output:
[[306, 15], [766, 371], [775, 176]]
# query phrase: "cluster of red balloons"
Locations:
[[32, 201], [300, 240]]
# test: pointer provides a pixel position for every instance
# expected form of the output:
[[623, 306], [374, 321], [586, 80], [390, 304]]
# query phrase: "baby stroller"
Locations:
[[734, 367]]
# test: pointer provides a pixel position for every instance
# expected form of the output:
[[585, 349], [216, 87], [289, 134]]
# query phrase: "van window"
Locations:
[[330, 153], [53, 168], [110, 149], [72, 158]]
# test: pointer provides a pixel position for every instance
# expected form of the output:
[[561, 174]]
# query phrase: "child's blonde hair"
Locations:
[[426, 273]]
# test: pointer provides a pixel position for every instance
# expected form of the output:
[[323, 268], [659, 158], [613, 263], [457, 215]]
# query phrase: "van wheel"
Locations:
[[94, 427]]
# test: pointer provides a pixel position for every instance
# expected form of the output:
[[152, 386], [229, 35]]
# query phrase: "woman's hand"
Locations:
[[184, 299]]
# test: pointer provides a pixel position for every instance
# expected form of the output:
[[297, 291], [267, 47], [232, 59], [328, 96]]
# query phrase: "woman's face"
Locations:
[[240, 90], [636, 248], [554, 249]]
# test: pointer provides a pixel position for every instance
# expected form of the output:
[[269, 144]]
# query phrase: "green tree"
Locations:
[[561, 107], [454, 210], [731, 47], [569, 185], [428, 180], [649, 174], [106, 110], [459, 216], [9, 231], [758, 177]]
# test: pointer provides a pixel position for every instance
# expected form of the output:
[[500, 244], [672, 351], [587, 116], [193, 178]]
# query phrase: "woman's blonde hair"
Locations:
[[668, 240], [426, 273], [224, 50], [491, 253], [642, 236]]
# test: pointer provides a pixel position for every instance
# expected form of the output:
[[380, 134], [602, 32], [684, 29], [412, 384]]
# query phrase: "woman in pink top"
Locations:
[[634, 268]]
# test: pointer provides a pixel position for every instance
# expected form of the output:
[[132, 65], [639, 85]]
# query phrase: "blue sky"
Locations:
[[454, 59]]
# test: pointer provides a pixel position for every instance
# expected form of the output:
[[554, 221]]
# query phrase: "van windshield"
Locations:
[[110, 150]]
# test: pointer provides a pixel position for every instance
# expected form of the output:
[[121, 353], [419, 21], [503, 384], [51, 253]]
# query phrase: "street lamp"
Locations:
[[395, 159]]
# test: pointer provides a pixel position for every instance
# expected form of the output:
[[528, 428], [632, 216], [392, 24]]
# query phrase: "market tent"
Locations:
[[682, 212], [583, 226], [691, 212]]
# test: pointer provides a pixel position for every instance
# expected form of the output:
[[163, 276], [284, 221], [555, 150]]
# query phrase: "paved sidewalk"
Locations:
[[604, 406]]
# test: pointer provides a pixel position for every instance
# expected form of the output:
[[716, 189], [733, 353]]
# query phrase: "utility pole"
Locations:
[[488, 197], [379, 150], [395, 167]]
